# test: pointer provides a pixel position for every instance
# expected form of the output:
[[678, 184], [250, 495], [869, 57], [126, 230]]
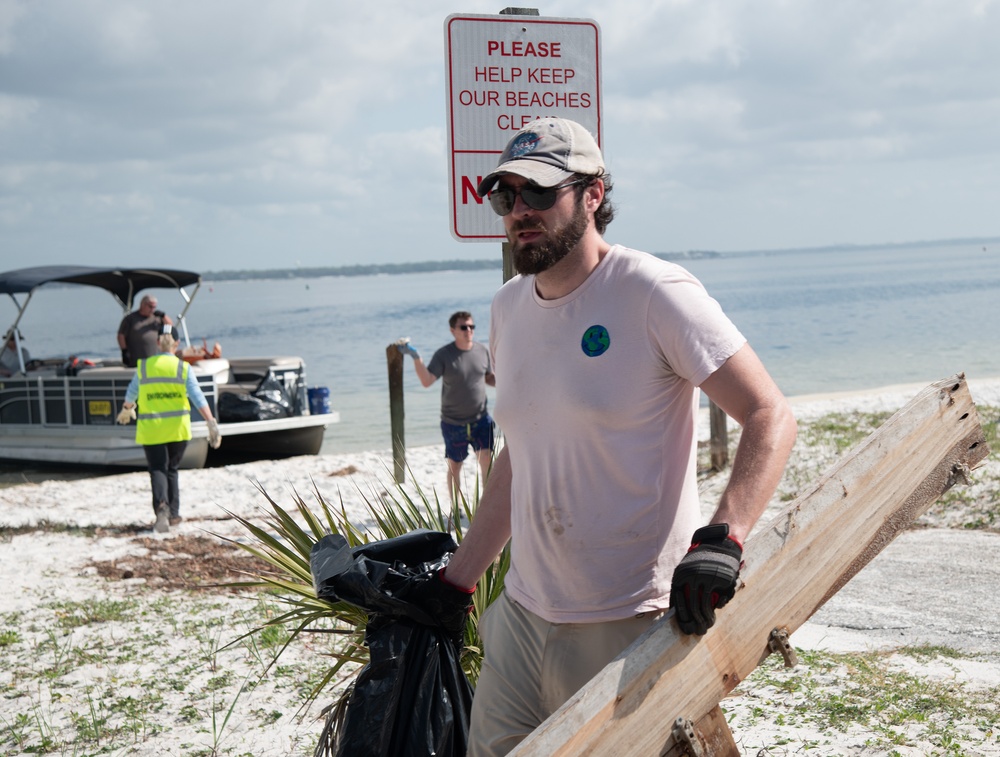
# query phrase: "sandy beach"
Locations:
[[114, 642]]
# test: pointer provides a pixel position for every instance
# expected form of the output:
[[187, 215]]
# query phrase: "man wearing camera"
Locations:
[[139, 331]]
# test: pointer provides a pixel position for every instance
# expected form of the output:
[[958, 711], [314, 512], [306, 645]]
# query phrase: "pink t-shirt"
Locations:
[[597, 399]]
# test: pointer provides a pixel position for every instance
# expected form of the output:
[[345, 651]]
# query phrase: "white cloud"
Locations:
[[127, 35], [10, 13], [225, 131], [15, 110], [13, 211]]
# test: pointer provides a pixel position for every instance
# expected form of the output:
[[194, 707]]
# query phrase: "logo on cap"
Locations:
[[523, 144]]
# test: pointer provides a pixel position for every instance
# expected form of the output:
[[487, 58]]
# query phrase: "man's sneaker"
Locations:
[[175, 519], [162, 524]]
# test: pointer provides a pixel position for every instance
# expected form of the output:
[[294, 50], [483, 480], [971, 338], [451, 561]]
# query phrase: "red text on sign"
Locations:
[[480, 97], [518, 49], [510, 122], [469, 190], [547, 99], [503, 75], [497, 74], [550, 75]]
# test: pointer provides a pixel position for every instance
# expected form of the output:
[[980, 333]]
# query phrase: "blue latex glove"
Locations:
[[408, 349]]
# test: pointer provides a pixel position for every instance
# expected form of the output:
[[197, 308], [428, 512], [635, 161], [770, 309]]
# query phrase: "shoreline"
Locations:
[[114, 498], [985, 390], [909, 389]]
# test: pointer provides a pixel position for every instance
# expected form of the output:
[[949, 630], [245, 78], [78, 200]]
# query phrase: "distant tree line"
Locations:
[[428, 266], [357, 270], [496, 263]]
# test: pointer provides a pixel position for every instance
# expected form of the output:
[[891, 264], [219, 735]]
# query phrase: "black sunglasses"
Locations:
[[502, 198], [467, 327]]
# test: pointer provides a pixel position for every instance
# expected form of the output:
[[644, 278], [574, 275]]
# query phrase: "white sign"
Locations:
[[503, 72]]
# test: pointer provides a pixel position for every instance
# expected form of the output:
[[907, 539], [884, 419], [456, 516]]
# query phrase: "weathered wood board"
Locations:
[[800, 559]]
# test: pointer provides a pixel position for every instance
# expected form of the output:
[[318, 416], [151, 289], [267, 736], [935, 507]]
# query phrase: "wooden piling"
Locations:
[[718, 437], [394, 361]]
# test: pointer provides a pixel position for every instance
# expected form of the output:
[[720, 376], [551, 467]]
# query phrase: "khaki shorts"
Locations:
[[532, 667]]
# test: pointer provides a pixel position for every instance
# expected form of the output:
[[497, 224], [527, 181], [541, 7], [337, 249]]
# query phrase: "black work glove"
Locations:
[[447, 603], [705, 579]]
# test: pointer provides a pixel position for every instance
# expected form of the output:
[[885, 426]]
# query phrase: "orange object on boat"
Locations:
[[194, 354]]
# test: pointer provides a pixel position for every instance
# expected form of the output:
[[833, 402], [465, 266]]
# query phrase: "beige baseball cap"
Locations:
[[547, 152]]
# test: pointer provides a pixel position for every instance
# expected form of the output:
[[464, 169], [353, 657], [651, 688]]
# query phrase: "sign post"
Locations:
[[503, 72]]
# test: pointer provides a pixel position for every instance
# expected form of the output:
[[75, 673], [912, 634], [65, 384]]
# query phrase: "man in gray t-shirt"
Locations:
[[465, 366], [139, 331]]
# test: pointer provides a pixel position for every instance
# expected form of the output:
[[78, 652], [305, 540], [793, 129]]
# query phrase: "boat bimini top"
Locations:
[[123, 284]]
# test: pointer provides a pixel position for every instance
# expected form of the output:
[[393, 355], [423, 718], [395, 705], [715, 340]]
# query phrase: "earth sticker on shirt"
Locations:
[[596, 341]]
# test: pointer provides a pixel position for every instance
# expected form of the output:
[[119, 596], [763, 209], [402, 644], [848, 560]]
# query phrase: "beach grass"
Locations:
[[913, 700], [99, 676], [286, 546]]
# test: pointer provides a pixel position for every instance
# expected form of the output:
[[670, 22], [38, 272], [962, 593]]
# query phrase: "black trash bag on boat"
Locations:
[[273, 394], [412, 699], [239, 407], [269, 400]]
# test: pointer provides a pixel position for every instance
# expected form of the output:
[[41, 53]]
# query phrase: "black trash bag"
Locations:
[[237, 407], [412, 699], [272, 392], [269, 400]]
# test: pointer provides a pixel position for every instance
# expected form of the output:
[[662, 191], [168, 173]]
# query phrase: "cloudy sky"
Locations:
[[216, 134]]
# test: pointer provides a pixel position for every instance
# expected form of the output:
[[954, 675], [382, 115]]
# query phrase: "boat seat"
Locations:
[[60, 366], [45, 367], [216, 367]]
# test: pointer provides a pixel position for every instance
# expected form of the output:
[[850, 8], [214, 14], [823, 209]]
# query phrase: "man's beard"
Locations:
[[536, 257]]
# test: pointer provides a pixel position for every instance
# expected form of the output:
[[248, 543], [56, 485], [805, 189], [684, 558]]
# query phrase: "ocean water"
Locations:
[[821, 321], [864, 318]]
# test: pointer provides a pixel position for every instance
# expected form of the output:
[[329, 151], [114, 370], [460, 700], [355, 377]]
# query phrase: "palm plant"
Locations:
[[285, 541]]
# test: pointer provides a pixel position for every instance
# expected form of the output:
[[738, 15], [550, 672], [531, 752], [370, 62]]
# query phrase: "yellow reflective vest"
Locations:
[[164, 413]]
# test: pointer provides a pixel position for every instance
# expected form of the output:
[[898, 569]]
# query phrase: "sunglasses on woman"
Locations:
[[502, 198]]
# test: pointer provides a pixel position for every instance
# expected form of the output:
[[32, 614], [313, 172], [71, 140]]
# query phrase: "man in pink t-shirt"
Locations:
[[600, 352]]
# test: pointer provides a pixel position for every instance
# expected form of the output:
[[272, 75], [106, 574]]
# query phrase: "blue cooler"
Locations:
[[319, 400]]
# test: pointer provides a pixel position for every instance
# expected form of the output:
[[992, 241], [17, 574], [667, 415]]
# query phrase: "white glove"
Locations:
[[127, 414], [214, 435]]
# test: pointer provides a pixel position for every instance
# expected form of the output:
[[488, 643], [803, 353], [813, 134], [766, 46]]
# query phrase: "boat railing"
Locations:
[[91, 397], [65, 394], [51, 400]]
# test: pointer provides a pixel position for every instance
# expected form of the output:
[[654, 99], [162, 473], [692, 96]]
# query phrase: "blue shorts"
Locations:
[[458, 438]]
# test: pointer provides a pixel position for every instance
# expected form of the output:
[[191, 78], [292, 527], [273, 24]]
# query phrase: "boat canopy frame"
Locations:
[[122, 283]]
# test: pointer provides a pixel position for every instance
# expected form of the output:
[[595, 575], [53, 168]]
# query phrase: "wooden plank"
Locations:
[[794, 564]]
